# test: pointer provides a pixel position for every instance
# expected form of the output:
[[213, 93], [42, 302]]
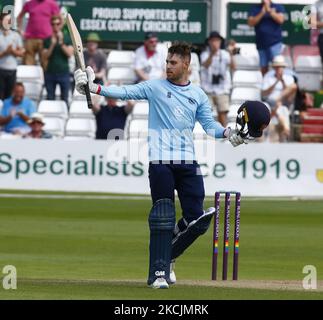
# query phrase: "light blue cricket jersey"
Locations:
[[173, 111]]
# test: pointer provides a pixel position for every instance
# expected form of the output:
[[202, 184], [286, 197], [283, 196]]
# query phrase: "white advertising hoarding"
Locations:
[[257, 169]]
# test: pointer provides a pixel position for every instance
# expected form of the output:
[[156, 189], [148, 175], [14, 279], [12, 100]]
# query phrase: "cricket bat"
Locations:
[[78, 51]]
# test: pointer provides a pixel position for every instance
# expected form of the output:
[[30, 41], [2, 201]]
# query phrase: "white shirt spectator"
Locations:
[[317, 8], [270, 79], [9, 62], [220, 66], [155, 65]]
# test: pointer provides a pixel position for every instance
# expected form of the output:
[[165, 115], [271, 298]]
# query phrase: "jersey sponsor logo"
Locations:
[[169, 94]]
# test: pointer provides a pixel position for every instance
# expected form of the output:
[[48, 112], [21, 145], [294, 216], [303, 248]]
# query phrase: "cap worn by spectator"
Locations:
[[215, 34], [36, 122], [279, 61], [36, 117], [150, 35], [94, 37]]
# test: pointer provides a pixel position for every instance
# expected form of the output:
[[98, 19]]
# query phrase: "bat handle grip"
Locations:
[[88, 96]]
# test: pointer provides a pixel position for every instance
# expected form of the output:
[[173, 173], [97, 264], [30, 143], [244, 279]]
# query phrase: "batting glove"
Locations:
[[233, 136], [82, 78]]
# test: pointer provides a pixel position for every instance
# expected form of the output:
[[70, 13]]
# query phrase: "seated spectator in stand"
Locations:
[[38, 27], [36, 123], [150, 59], [96, 58], [317, 22], [111, 118], [215, 74], [57, 49], [267, 18], [16, 111], [279, 90], [11, 47]]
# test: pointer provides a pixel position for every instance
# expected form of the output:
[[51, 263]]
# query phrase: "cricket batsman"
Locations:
[[174, 106]]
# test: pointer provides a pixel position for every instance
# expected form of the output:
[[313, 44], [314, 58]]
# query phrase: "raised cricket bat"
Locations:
[[78, 51]]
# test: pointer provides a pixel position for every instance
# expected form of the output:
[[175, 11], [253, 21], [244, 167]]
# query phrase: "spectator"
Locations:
[[279, 90], [96, 58], [38, 27], [150, 59], [57, 49], [111, 119], [215, 74], [36, 123], [317, 22], [16, 111], [267, 18], [11, 47]]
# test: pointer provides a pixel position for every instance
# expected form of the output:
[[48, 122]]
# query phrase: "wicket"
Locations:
[[226, 236]]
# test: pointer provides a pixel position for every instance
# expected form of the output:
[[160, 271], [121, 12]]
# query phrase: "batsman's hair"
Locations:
[[181, 48]]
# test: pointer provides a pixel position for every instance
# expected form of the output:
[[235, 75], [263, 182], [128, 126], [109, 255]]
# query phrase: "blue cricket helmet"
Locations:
[[253, 117]]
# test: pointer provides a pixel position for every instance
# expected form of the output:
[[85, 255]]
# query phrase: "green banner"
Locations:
[[293, 27], [130, 20]]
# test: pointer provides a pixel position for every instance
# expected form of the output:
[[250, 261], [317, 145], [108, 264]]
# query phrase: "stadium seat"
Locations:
[[289, 61], [308, 64], [304, 50], [80, 127], [248, 49], [309, 81], [246, 62], [232, 114], [138, 128], [247, 78], [140, 110], [27, 73], [309, 71], [79, 109], [57, 94], [53, 108], [9, 136], [195, 69], [312, 126], [77, 138], [248, 58], [121, 76], [118, 58], [241, 94], [195, 61], [55, 126], [33, 90]]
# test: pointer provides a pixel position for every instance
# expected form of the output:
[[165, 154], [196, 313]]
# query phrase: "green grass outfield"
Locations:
[[84, 248]]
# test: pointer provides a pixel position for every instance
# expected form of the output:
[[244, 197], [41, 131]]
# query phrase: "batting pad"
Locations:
[[161, 223], [186, 237]]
